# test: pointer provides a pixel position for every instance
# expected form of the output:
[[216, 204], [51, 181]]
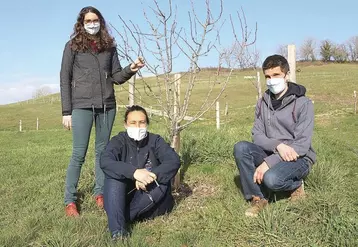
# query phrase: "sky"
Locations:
[[35, 32]]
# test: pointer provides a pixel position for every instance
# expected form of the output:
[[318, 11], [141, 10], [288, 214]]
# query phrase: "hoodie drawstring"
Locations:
[[104, 114], [268, 107], [93, 113]]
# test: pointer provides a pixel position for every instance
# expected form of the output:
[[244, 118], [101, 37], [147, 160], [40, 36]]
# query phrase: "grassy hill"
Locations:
[[210, 209]]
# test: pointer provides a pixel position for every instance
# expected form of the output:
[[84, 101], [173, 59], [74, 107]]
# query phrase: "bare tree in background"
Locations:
[[245, 57], [166, 40], [41, 92], [340, 53], [308, 50], [282, 50], [352, 45]]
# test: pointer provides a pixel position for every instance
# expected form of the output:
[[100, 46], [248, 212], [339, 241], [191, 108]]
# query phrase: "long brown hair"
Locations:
[[81, 40]]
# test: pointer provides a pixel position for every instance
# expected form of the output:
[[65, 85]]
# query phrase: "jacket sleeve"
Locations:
[[303, 135], [169, 161], [120, 75], [258, 131], [111, 163], [304, 130], [66, 79]]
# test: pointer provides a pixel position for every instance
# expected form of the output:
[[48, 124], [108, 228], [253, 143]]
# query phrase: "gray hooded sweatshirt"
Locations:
[[289, 121]]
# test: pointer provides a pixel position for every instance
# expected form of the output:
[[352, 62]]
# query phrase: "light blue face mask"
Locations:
[[276, 85], [92, 28]]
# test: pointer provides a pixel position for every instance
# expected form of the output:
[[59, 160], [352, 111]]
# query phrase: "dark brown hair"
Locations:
[[276, 61], [135, 108], [81, 40]]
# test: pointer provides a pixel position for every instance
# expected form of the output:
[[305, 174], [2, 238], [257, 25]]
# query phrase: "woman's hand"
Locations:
[[140, 186], [67, 122], [138, 64], [144, 176]]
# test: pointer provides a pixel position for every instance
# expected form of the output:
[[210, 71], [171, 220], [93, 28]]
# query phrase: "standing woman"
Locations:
[[90, 67]]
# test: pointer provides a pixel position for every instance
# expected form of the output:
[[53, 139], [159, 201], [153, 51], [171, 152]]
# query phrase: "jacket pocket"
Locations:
[[109, 94], [82, 86]]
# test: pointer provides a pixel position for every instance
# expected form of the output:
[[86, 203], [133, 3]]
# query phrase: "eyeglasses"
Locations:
[[88, 21]]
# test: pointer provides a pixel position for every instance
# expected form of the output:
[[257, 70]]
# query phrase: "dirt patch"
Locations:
[[191, 196]]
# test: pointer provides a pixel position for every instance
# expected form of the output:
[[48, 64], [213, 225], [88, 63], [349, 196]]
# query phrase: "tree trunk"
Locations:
[[176, 145]]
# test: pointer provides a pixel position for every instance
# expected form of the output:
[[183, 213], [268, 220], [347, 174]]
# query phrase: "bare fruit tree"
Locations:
[[41, 92], [165, 39], [308, 50], [352, 45], [282, 50]]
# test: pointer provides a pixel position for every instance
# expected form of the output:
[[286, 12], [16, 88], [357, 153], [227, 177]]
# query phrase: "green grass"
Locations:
[[211, 212]]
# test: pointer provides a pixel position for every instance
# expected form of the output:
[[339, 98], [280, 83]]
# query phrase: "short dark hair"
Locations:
[[276, 61], [135, 108]]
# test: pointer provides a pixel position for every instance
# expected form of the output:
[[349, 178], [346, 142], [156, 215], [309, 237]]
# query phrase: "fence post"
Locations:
[[226, 109], [258, 85], [131, 88], [292, 61], [355, 101], [37, 124], [20, 125], [217, 115]]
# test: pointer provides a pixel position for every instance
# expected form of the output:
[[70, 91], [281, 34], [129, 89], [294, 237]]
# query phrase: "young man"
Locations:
[[281, 154]]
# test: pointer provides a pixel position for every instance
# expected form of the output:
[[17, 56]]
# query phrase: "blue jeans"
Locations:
[[82, 121], [284, 176], [123, 205]]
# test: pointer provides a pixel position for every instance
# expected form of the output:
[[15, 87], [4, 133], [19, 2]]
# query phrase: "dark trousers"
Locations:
[[82, 121], [123, 208], [284, 176]]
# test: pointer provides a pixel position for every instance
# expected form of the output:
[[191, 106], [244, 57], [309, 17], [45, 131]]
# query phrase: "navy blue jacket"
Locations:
[[123, 156]]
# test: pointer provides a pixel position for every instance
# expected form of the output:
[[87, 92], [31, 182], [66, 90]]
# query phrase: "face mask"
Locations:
[[276, 85], [137, 133], [92, 28]]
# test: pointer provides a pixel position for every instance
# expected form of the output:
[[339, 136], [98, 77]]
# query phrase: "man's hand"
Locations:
[[140, 186], [144, 176], [286, 152], [67, 122], [138, 64], [260, 172]]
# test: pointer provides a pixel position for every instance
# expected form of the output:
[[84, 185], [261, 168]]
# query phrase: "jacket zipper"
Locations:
[[100, 78], [138, 156]]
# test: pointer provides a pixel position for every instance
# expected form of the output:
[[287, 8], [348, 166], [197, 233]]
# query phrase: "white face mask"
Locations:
[[137, 133], [92, 28], [276, 85]]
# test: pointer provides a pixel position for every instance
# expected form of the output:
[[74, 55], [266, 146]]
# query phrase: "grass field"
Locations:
[[210, 208]]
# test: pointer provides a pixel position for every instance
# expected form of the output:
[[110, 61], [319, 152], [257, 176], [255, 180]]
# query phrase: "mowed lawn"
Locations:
[[210, 208]]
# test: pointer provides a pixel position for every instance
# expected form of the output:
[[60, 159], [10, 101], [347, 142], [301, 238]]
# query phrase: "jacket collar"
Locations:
[[135, 143]]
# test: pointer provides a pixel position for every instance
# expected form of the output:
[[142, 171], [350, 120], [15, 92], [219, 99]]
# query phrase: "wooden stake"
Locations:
[[217, 115], [226, 109], [131, 88], [355, 101], [292, 61], [258, 85]]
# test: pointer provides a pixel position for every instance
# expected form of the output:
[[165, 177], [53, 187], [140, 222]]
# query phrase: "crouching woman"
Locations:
[[138, 168]]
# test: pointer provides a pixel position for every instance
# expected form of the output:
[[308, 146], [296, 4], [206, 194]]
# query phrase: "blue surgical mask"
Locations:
[[276, 85], [92, 28]]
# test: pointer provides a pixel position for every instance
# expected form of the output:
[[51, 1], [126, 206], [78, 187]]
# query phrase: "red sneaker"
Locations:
[[71, 210], [99, 201]]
